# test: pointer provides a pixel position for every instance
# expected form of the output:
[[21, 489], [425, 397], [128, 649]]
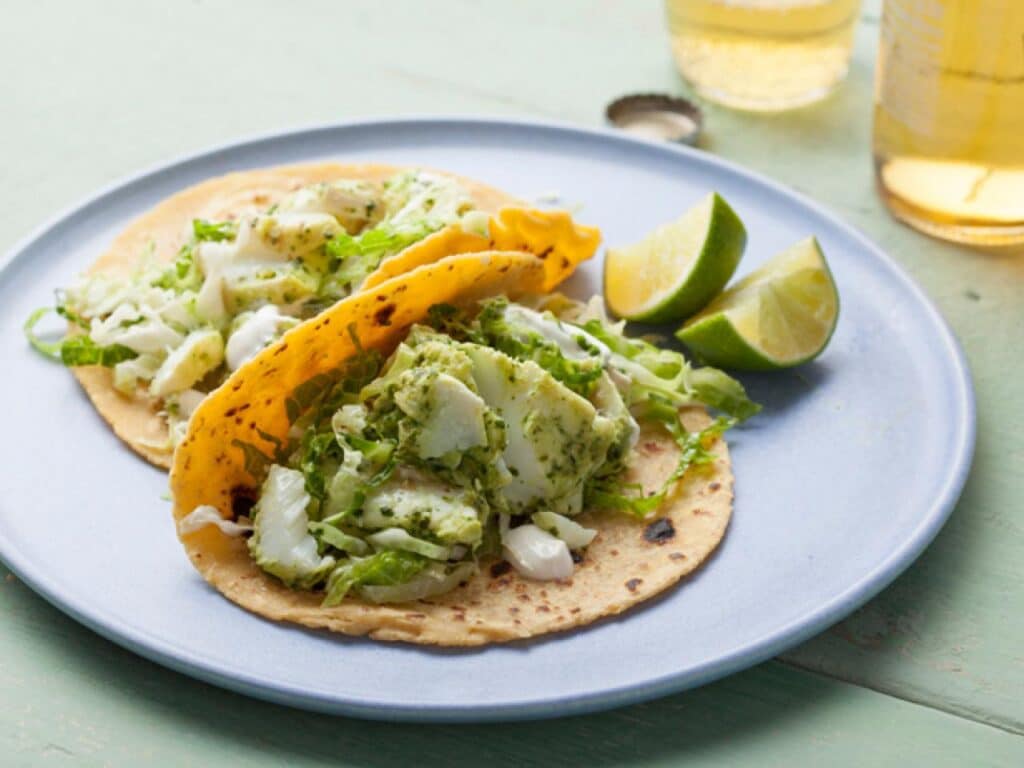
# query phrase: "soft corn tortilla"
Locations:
[[164, 229], [629, 562]]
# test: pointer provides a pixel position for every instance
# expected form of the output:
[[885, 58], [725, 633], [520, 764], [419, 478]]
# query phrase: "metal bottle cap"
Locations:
[[657, 116]]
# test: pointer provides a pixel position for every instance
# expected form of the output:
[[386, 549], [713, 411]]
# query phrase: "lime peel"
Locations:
[[679, 267], [781, 315]]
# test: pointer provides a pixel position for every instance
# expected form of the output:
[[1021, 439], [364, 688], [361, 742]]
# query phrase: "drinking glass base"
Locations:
[[768, 103], [966, 231]]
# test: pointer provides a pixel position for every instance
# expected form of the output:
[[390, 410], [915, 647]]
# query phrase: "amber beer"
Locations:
[[764, 55], [949, 117]]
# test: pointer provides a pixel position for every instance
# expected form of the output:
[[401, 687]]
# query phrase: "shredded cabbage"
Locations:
[[434, 579]]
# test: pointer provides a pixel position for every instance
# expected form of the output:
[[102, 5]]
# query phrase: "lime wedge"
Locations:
[[677, 268], [780, 315]]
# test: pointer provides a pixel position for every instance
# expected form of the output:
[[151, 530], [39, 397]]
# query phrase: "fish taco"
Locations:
[[201, 283], [455, 456]]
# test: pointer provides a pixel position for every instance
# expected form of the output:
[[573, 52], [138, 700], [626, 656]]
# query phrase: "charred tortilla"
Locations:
[[163, 230], [629, 562]]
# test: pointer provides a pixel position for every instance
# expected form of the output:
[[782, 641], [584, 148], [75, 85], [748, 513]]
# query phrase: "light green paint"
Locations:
[[94, 92]]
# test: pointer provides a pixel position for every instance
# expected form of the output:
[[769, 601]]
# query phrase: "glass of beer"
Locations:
[[763, 55], [949, 118]]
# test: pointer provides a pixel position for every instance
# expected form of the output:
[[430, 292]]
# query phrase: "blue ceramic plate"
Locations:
[[847, 475]]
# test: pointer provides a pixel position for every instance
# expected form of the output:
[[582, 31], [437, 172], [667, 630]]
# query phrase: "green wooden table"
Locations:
[[929, 673]]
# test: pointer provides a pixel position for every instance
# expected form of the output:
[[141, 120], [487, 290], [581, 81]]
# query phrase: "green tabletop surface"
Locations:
[[931, 672]]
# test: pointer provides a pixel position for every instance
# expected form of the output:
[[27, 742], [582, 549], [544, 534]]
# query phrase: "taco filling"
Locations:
[[483, 436], [175, 332]]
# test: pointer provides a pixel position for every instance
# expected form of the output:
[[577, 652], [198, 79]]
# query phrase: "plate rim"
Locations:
[[800, 629]]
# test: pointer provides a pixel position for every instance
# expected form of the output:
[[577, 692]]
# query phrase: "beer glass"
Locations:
[[763, 55]]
